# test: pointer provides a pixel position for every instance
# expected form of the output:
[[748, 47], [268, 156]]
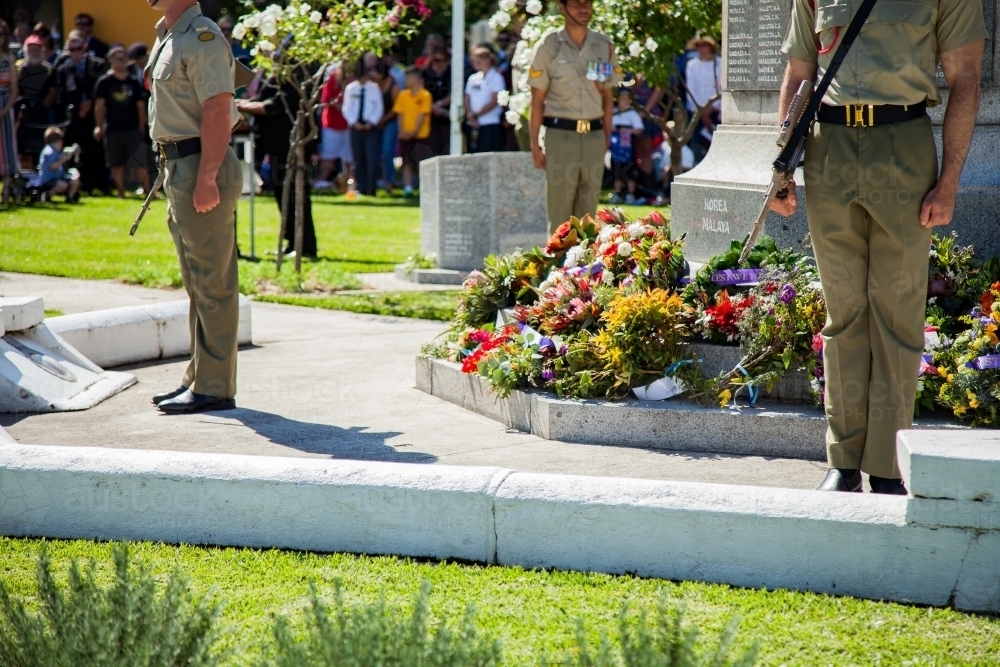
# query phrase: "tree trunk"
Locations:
[[300, 188], [677, 141], [286, 192]]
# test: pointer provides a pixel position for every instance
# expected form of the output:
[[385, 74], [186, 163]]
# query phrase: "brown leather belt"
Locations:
[[869, 115]]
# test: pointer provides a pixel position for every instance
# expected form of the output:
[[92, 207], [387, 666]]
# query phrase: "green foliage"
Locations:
[[765, 253], [377, 636], [496, 286], [438, 306], [128, 623], [664, 641]]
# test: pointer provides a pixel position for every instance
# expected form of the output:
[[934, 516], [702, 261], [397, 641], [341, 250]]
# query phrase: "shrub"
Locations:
[[127, 623], [375, 636], [666, 641]]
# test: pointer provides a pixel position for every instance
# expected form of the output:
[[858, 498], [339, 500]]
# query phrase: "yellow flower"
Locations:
[[973, 403], [942, 371], [960, 410], [950, 378], [724, 397]]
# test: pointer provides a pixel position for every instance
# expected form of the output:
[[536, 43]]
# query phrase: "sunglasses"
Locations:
[[78, 47], [84, 24]]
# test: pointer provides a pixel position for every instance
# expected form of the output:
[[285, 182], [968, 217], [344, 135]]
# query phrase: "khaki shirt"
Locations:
[[894, 58], [189, 64], [562, 70]]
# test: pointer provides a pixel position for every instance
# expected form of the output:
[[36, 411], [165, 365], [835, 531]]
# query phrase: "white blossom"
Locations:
[[635, 49], [503, 98], [239, 31], [530, 33], [359, 3], [636, 229], [519, 102], [274, 11], [512, 116], [607, 233], [651, 44], [252, 21], [624, 249], [268, 27], [534, 7], [265, 46], [573, 256], [607, 277], [499, 20], [507, 5], [316, 17], [305, 9]]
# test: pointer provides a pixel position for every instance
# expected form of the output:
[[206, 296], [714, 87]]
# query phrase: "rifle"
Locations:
[[795, 127], [149, 200], [781, 176]]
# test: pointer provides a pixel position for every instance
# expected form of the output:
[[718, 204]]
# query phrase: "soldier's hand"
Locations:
[[788, 205], [938, 207], [206, 196], [538, 157]]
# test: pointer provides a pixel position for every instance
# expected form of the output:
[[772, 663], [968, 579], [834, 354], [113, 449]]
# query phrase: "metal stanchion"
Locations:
[[247, 143]]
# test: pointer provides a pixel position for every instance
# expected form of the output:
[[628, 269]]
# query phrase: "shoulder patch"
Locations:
[[534, 73], [206, 37]]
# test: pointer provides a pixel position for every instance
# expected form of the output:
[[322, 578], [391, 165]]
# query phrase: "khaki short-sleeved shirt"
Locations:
[[189, 64], [575, 79], [894, 59]]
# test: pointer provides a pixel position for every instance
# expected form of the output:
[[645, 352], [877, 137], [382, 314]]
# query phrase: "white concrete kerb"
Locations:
[[919, 550]]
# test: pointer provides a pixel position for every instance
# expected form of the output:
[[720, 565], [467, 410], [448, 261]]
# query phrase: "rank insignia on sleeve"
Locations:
[[534, 73], [206, 37]]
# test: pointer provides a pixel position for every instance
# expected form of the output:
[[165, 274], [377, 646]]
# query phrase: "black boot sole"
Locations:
[[228, 404]]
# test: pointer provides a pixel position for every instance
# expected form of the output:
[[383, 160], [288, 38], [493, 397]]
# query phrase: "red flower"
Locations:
[[770, 288], [606, 216], [479, 336], [565, 238], [656, 218], [988, 297], [817, 343], [471, 363]]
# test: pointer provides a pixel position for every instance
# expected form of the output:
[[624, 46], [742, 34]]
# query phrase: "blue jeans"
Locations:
[[389, 135]]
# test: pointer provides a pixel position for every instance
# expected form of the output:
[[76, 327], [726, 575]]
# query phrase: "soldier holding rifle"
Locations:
[[873, 196], [191, 115]]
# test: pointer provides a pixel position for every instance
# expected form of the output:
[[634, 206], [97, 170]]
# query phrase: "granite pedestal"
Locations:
[[719, 199], [472, 206]]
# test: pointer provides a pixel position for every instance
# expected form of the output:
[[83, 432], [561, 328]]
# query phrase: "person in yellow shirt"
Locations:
[[413, 107]]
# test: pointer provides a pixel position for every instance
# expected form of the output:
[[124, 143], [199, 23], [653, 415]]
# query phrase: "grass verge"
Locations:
[[533, 610], [423, 305]]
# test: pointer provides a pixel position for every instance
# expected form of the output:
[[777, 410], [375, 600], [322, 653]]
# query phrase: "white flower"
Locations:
[[530, 33], [635, 49], [252, 21], [305, 9], [519, 102], [507, 5], [651, 44], [503, 98], [265, 46], [635, 230], [607, 233], [239, 31], [316, 17], [573, 256], [607, 277], [625, 249], [359, 3], [274, 11], [499, 20], [512, 116], [268, 27], [534, 7]]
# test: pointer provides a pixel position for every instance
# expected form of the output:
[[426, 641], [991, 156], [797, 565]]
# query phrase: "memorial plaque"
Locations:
[[472, 206], [754, 33]]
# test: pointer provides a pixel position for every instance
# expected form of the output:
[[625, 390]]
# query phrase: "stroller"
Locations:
[[21, 184]]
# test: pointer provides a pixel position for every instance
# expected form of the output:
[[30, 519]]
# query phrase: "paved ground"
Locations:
[[327, 383]]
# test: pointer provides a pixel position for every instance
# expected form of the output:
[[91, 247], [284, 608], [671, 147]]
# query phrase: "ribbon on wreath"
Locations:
[[753, 393], [987, 362], [738, 277]]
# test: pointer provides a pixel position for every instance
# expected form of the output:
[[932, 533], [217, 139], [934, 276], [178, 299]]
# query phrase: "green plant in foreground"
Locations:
[[666, 641], [127, 623], [376, 636]]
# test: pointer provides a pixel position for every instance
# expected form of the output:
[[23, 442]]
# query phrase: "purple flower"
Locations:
[[787, 293], [548, 374]]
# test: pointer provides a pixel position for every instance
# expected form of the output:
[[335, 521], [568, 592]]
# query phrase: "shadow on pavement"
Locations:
[[340, 443]]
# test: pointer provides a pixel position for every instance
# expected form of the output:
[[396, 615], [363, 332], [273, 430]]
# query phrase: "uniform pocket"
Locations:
[[162, 71], [832, 16], [915, 14]]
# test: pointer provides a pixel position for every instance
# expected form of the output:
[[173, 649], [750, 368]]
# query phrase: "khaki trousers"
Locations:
[[206, 247], [864, 190], [574, 169]]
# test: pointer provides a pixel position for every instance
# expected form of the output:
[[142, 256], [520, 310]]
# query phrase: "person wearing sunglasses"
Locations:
[[95, 47], [437, 81], [76, 75]]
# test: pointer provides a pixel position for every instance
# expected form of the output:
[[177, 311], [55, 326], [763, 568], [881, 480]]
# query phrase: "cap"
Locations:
[[33, 39], [137, 50], [700, 39]]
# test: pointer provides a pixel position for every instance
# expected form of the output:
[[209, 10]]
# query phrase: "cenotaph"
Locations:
[[472, 206], [718, 200]]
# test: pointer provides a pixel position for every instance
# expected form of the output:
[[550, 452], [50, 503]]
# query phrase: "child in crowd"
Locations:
[[52, 173], [413, 107], [626, 126]]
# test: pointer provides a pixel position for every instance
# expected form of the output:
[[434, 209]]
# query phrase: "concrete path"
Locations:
[[333, 384]]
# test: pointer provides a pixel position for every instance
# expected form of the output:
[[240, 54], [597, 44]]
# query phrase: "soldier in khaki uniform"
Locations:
[[572, 75], [873, 194], [190, 76]]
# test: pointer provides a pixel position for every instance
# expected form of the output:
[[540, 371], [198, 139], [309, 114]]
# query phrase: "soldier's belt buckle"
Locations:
[[582, 126], [856, 115]]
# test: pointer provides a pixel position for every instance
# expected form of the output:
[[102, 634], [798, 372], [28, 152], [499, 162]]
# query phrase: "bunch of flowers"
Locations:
[[969, 369], [779, 332], [718, 321], [567, 303], [955, 281], [504, 281]]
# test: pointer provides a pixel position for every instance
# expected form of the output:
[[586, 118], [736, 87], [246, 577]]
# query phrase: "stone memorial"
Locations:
[[718, 200], [472, 206]]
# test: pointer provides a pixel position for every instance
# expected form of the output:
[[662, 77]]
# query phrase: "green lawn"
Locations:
[[422, 305], [91, 240], [532, 610]]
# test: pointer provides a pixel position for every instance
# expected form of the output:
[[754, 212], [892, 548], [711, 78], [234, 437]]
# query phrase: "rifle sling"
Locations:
[[809, 113]]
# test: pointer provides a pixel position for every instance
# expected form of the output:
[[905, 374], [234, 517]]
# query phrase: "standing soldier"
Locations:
[[572, 75], [873, 195], [190, 76]]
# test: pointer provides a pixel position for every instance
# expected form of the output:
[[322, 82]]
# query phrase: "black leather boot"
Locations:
[[189, 402], [841, 479], [892, 487]]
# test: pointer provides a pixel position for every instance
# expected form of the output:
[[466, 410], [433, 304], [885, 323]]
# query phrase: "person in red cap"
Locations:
[[38, 95]]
